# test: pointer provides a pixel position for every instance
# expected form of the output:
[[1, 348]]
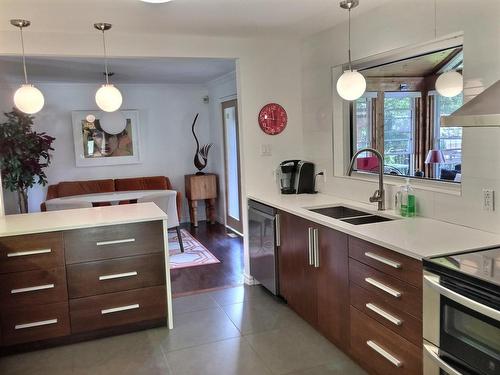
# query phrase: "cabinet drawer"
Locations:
[[33, 287], [35, 323], [387, 261], [115, 241], [396, 320], [380, 349], [392, 291], [31, 252], [106, 276], [109, 310]]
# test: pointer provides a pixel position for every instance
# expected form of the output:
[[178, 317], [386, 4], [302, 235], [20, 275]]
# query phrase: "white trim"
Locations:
[[228, 77], [249, 279]]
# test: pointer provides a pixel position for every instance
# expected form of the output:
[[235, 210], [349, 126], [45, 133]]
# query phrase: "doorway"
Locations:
[[232, 165]]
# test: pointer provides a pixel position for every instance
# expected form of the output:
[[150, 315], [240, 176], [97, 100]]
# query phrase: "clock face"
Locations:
[[272, 119]]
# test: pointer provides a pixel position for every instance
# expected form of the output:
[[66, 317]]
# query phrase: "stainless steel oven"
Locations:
[[461, 316]]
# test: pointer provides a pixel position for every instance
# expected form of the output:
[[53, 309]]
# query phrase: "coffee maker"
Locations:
[[296, 177]]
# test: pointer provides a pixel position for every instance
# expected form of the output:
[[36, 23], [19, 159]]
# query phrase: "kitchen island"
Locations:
[[72, 275]]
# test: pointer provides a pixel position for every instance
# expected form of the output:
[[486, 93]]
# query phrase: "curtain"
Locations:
[[424, 132]]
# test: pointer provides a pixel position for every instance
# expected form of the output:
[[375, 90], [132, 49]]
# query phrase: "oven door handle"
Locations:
[[433, 353], [433, 282]]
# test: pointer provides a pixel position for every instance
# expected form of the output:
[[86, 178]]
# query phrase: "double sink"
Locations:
[[350, 215]]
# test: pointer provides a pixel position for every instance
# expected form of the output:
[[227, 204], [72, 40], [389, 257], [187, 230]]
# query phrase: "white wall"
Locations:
[[398, 24], [219, 90], [268, 70], [165, 116]]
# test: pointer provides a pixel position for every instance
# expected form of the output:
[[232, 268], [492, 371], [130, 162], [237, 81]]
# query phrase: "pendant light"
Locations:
[[108, 97], [351, 85], [450, 83], [27, 98]]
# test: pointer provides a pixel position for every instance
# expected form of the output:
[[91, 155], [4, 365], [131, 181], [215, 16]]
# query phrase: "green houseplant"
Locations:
[[24, 154]]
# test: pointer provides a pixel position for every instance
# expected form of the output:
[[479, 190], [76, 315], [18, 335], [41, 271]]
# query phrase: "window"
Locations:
[[400, 113], [448, 140]]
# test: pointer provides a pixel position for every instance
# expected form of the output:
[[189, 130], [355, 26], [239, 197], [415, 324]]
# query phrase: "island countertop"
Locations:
[[51, 221], [417, 237]]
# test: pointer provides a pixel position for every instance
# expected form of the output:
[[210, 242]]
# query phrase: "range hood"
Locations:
[[483, 110]]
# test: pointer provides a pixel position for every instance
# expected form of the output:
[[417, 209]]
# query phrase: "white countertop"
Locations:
[[416, 237], [39, 222]]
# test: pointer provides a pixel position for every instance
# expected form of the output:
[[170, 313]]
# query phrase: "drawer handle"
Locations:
[[380, 259], [118, 275], [35, 324], [121, 308], [384, 353], [383, 287], [32, 288], [384, 314], [104, 243], [30, 252]]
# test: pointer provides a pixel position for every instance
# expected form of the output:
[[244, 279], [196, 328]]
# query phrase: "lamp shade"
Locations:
[[28, 99], [434, 157], [351, 85], [113, 123], [450, 84], [108, 98]]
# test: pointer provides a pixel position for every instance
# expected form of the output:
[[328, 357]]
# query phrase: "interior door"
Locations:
[[232, 165]]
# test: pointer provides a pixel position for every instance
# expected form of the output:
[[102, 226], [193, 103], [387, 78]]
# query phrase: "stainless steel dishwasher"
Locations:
[[263, 229]]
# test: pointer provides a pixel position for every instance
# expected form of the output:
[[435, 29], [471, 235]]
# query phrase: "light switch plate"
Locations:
[[266, 150], [488, 200]]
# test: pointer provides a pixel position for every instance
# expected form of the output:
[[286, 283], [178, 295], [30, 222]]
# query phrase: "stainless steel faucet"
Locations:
[[379, 195]]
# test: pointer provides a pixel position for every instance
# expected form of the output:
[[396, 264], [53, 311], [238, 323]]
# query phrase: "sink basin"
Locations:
[[366, 220], [339, 212]]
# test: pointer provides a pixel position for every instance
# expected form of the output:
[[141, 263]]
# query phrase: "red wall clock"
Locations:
[[272, 119]]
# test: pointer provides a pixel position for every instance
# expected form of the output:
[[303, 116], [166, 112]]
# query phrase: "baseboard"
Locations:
[[249, 280]]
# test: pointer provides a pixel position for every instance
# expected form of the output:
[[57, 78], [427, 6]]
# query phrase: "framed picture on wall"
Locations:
[[106, 138]]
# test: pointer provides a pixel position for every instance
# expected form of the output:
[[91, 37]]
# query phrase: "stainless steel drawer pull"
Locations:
[[278, 229], [29, 252], [104, 243], [384, 314], [316, 247], [118, 275], [310, 246], [121, 308], [383, 287], [32, 288], [384, 353], [35, 324], [380, 259]]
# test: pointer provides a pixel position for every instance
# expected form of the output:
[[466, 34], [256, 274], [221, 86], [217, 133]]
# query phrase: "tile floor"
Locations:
[[236, 331]]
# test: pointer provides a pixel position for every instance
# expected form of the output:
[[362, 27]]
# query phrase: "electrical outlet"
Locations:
[[487, 266], [266, 150], [488, 199]]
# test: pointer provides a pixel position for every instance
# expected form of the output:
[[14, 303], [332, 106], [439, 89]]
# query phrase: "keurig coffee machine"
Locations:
[[296, 177]]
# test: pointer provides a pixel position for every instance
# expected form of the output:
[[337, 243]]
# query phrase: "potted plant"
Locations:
[[24, 154]]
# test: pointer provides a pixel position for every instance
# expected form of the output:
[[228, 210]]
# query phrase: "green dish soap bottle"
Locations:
[[407, 200]]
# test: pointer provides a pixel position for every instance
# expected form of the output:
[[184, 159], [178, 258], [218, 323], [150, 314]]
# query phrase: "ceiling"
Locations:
[[243, 18], [91, 70], [420, 66]]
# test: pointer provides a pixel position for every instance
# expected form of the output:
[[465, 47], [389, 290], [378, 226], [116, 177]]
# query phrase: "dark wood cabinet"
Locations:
[[297, 274], [333, 286], [364, 298], [314, 276]]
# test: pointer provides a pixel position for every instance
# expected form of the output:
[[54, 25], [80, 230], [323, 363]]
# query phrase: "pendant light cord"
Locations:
[[105, 58], [24, 57], [349, 40]]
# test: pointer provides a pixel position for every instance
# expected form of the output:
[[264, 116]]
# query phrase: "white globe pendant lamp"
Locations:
[[108, 97], [450, 84], [27, 98], [351, 85]]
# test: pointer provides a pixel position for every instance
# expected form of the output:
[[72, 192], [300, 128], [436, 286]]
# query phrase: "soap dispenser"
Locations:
[[407, 200]]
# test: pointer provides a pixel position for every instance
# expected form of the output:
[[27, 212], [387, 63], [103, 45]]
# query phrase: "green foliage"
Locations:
[[24, 153]]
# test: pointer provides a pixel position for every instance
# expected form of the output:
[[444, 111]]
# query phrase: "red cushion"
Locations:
[[143, 183], [69, 188]]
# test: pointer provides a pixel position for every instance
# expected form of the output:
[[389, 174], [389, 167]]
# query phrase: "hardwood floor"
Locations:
[[228, 272]]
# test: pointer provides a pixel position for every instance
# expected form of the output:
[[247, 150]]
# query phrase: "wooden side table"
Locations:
[[200, 187]]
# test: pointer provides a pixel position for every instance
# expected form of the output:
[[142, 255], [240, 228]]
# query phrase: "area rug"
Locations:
[[195, 254]]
